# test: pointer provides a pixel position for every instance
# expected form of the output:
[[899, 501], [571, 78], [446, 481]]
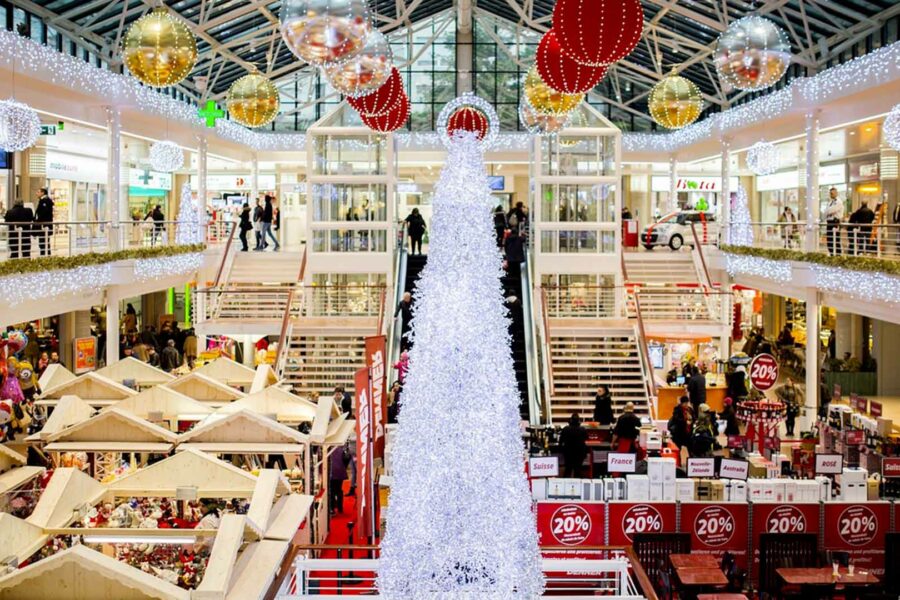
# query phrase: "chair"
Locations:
[[777, 550], [890, 581], [653, 550]]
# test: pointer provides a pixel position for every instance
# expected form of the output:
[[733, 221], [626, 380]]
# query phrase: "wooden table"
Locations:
[[823, 577], [693, 561], [721, 597], [701, 577]]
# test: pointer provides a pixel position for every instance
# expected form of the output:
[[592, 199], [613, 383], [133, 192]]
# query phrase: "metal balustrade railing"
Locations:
[[873, 240], [656, 303], [576, 301]]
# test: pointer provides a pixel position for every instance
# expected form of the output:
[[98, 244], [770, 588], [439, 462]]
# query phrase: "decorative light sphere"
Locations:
[[541, 124], [383, 100], [468, 119], [446, 124], [576, 120], [544, 99], [598, 32], [892, 128], [391, 121], [20, 126], [365, 72], [562, 73], [159, 49], [762, 158], [675, 102], [166, 156], [325, 31], [752, 54], [253, 100]]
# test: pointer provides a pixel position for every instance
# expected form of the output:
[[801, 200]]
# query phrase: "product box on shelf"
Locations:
[[539, 488], [807, 490], [717, 490], [824, 488], [736, 491], [638, 487], [685, 490], [884, 427], [650, 439], [661, 469], [873, 487]]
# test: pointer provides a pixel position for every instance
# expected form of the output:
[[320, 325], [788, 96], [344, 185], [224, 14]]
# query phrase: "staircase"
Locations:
[[320, 361], [580, 361], [661, 268], [512, 286], [265, 267]]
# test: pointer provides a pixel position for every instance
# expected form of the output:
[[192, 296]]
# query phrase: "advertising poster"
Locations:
[[85, 354], [364, 496], [570, 523], [375, 355], [628, 518], [858, 529], [717, 528], [781, 518]]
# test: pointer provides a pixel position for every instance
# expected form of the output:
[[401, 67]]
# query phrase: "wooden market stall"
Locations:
[[69, 410], [205, 389], [94, 389], [54, 375], [133, 372], [165, 407], [17, 482], [231, 372], [284, 406]]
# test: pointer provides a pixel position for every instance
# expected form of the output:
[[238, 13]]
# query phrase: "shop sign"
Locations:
[[890, 466], [763, 372], [863, 170], [833, 174], [859, 403], [829, 464], [48, 129], [875, 409], [68, 167], [375, 353], [786, 180], [570, 523], [717, 528], [628, 518], [235, 182], [858, 529], [856, 437], [145, 178], [731, 468], [543, 466], [701, 467], [660, 183], [364, 497], [781, 518], [85, 354], [621, 462]]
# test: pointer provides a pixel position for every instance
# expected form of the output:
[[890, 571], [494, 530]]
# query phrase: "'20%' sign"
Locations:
[[763, 372]]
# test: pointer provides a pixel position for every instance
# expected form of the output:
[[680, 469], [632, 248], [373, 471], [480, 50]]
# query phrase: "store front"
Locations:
[[77, 185], [146, 189], [692, 191]]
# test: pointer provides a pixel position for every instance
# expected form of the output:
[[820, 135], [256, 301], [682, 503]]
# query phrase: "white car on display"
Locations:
[[674, 229]]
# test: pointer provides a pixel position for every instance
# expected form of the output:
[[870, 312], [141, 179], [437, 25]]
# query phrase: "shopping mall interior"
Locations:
[[486, 299]]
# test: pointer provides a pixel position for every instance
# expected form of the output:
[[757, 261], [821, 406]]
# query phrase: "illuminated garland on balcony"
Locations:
[[862, 285], [17, 289], [756, 266], [147, 269]]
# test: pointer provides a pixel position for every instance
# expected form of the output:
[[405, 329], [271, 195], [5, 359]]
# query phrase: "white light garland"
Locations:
[[147, 269], [422, 140], [762, 158], [455, 533], [20, 126], [166, 156], [469, 99], [16, 289], [776, 270], [740, 229], [892, 128], [188, 229], [862, 285]]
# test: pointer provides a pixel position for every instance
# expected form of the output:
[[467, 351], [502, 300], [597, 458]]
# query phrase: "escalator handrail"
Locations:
[[394, 332], [534, 405]]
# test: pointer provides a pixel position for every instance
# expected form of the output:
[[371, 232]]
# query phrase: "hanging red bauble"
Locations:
[[468, 119], [395, 119], [561, 72], [383, 100], [598, 32]]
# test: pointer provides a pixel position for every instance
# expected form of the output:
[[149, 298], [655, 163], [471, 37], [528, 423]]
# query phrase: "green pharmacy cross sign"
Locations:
[[211, 113], [146, 177]]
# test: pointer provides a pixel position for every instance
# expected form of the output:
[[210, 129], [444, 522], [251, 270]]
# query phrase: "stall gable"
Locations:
[[69, 490], [18, 537], [9, 458], [228, 371], [203, 389], [69, 411], [166, 401], [287, 407], [243, 427], [89, 386], [131, 368], [55, 375], [115, 425], [288, 514], [255, 569]]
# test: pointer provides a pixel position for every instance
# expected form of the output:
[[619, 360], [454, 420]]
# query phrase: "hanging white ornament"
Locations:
[[166, 156], [892, 128], [762, 158], [20, 126], [469, 99]]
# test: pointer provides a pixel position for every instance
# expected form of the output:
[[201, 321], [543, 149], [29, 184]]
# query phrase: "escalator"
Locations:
[[512, 286]]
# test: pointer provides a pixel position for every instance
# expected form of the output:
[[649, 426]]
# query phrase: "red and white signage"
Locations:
[[621, 462], [627, 519], [856, 437], [890, 467], [875, 409], [717, 528], [714, 526], [364, 495], [730, 468], [701, 467], [570, 523], [829, 464], [763, 372], [858, 529], [543, 466], [375, 353], [782, 518]]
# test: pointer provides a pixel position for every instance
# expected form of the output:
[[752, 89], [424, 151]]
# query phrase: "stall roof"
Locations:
[[54, 375], [265, 377], [166, 401], [94, 389], [69, 411], [227, 371], [205, 389], [287, 516], [17, 477], [68, 490], [244, 426], [287, 407], [9, 458], [143, 374], [114, 425], [339, 431], [80, 573], [212, 477], [19, 538], [255, 570], [222, 557]]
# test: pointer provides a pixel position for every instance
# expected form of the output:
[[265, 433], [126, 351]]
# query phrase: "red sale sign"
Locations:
[[781, 518], [717, 528], [763, 372], [890, 467], [858, 529], [628, 518], [570, 523]]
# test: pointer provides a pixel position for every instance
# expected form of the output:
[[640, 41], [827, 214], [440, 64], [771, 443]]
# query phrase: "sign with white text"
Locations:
[[763, 372], [365, 488], [375, 353]]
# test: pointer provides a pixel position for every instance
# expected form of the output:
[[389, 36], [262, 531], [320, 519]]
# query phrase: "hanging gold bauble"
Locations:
[[159, 50], [675, 102], [253, 100], [325, 31], [544, 99]]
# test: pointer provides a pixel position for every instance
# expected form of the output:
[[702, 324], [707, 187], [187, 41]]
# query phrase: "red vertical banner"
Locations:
[[375, 355], [717, 528], [781, 518], [364, 476], [629, 518], [859, 530]]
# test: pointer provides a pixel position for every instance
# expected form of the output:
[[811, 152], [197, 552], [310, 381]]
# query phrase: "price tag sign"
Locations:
[[875, 409], [734, 469], [763, 372], [829, 464], [890, 467], [621, 462], [736, 441], [543, 466], [701, 467], [856, 437]]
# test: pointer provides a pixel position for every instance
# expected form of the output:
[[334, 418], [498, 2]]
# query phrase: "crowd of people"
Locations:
[[168, 349], [861, 236], [23, 224], [262, 220]]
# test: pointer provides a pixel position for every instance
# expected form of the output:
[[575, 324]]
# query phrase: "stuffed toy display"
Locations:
[[28, 380]]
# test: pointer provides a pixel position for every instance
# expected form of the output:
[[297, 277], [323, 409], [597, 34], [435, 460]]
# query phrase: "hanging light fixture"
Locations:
[[325, 31], [562, 73], [541, 124], [159, 49], [166, 156], [753, 53], [598, 32], [762, 158], [253, 100], [675, 102], [545, 99], [365, 72], [20, 126]]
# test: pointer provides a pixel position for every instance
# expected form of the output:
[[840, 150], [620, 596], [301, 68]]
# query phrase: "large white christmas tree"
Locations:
[[188, 229], [460, 521]]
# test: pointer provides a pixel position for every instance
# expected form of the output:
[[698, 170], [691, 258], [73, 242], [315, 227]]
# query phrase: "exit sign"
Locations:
[[48, 129]]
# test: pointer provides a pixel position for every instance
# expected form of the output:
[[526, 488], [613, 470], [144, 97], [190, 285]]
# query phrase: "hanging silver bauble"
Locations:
[[166, 156], [20, 126], [752, 54], [539, 123], [762, 158], [322, 32], [892, 128], [365, 72]]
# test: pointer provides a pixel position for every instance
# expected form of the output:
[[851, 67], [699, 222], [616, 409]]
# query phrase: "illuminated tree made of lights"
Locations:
[[188, 229]]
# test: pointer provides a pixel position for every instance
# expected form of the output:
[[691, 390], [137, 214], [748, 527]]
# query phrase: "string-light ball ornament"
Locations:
[[325, 31], [544, 99], [166, 156], [365, 72], [561, 72], [675, 102], [474, 103], [253, 100], [20, 126], [383, 100], [577, 120], [598, 32], [159, 49], [752, 54], [540, 124], [892, 128], [762, 158], [468, 119], [391, 121]]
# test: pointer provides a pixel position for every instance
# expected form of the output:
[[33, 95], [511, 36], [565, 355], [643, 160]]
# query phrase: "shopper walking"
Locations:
[[603, 411], [152, 357], [337, 474], [415, 228], [626, 432], [696, 387], [43, 217], [19, 218], [158, 218], [789, 395], [573, 440], [257, 225], [245, 225], [170, 360], [499, 224], [730, 417], [788, 222], [680, 422], [703, 438], [862, 219], [516, 218], [404, 310], [267, 218], [834, 214]]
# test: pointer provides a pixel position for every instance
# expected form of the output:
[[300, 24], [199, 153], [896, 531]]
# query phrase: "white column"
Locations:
[[249, 350], [812, 359], [113, 298], [201, 183], [254, 179], [724, 215], [812, 181], [114, 196], [464, 46], [673, 183]]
